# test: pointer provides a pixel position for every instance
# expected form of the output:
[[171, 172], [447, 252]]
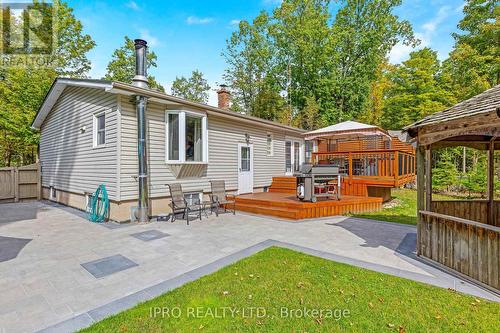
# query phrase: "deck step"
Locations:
[[283, 184], [260, 209], [264, 203], [282, 190]]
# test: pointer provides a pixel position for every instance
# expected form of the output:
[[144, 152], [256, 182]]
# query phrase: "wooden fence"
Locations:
[[18, 183], [470, 248], [474, 210]]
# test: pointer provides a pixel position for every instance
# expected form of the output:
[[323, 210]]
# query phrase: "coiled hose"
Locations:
[[98, 205]]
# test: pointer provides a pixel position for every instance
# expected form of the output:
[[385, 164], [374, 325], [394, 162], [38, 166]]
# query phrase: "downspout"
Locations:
[[140, 80]]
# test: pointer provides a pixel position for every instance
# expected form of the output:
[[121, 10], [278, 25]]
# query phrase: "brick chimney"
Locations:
[[224, 97]]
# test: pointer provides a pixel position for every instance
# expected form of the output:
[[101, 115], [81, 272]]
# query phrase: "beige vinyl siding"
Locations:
[[223, 138], [69, 160]]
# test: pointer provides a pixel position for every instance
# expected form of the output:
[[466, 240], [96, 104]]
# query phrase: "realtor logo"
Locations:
[[27, 28]]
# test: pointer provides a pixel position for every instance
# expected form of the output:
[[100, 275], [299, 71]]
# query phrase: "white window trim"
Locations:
[[94, 129], [270, 152], [182, 136]]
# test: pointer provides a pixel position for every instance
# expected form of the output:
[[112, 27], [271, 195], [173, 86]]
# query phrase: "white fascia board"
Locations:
[[55, 92]]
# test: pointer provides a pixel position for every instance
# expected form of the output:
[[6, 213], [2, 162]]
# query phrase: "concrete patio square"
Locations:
[[45, 285]]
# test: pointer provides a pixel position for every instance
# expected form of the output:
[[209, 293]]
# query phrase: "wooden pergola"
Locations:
[[461, 235]]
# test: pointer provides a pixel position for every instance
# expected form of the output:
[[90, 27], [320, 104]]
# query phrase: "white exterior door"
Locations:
[[245, 168], [294, 156]]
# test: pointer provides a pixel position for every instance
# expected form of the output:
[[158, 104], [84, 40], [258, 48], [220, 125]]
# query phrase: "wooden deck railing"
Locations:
[[469, 248], [377, 164], [473, 210]]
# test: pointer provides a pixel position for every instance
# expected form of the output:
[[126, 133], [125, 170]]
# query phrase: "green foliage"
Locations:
[[249, 55], [402, 208], [268, 104], [475, 180], [444, 173], [416, 90], [301, 51], [22, 89], [310, 118], [194, 88], [474, 64], [122, 65], [374, 114]]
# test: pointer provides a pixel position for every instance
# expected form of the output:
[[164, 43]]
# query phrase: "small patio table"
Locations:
[[205, 204]]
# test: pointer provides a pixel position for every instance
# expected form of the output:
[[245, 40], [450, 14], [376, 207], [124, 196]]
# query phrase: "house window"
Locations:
[[269, 145], [99, 129], [194, 139], [173, 136], [309, 147], [186, 137], [296, 156], [288, 156]]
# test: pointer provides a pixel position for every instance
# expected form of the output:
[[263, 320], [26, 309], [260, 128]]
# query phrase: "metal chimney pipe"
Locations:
[[140, 80], [141, 76]]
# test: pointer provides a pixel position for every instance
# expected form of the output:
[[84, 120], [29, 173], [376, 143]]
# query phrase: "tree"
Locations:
[[378, 89], [22, 89], [300, 52], [301, 36], [270, 105], [250, 56], [474, 63], [194, 88], [416, 90], [444, 173], [122, 65], [475, 181], [309, 118], [362, 35]]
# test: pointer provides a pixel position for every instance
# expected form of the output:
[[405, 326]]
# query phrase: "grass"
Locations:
[[277, 279], [406, 211]]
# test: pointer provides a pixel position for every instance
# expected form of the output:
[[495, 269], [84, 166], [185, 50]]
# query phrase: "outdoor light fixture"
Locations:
[[247, 138]]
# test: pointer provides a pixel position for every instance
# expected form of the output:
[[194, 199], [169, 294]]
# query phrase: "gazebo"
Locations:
[[462, 236], [372, 159]]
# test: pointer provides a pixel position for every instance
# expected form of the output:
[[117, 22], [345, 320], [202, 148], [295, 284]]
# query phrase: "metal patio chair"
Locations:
[[179, 204], [219, 197]]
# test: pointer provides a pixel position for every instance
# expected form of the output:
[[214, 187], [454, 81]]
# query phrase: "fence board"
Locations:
[[474, 210], [17, 183], [469, 247]]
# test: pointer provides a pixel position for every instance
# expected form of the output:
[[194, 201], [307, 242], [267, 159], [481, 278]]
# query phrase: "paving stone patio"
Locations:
[[46, 286]]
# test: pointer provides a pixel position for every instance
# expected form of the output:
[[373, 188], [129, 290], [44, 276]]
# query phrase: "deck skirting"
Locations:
[[286, 205]]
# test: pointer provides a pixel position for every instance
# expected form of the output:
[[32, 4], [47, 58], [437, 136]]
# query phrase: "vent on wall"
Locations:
[[52, 193]]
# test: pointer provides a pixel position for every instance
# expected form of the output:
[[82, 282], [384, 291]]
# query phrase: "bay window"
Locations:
[[186, 137]]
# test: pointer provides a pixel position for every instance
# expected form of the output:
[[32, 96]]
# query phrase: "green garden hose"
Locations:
[[98, 205]]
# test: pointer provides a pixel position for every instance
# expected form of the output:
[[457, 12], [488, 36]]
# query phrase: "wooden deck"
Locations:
[[286, 205]]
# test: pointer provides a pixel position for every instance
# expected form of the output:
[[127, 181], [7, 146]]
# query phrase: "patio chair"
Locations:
[[179, 204], [219, 197]]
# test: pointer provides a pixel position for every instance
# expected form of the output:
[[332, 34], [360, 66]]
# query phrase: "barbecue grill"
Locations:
[[318, 181]]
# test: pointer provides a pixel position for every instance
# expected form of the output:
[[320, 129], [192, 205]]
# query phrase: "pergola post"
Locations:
[[428, 178], [491, 181], [420, 191]]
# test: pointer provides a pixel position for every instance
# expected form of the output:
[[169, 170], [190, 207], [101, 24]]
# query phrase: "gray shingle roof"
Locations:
[[485, 102]]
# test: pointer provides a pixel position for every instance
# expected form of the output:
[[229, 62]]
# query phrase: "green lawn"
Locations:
[[406, 209], [273, 284]]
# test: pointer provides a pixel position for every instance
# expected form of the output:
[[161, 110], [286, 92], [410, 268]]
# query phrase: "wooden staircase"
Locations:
[[284, 184]]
